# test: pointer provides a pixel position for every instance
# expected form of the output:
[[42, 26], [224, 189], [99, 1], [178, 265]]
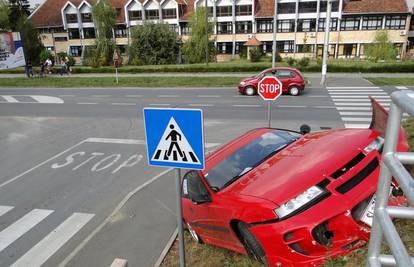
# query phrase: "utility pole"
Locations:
[[274, 36], [205, 3], [326, 43]]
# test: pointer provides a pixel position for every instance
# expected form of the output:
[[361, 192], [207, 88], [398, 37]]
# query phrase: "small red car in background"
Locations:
[[292, 80], [287, 198]]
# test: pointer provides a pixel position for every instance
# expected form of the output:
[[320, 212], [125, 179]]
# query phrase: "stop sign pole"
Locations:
[[269, 88]]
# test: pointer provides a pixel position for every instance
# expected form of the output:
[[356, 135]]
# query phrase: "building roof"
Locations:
[[375, 6], [253, 42], [264, 8]]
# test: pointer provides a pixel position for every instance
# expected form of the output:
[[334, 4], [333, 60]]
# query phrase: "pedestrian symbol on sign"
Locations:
[[174, 147]]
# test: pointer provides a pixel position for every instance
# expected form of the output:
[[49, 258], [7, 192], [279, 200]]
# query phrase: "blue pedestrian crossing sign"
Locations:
[[175, 137]]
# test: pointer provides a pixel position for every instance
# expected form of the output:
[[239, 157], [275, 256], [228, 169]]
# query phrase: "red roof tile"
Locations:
[[186, 10], [253, 42], [375, 6], [264, 8]]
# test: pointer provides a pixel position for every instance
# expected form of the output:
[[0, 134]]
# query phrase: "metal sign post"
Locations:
[[175, 138], [269, 88], [115, 59]]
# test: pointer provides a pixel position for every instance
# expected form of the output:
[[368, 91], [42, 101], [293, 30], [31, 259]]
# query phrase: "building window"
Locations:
[[267, 47], [324, 6], [173, 27], [170, 13], [285, 46], [350, 23], [51, 30], [334, 24], [305, 48], [224, 11], [244, 10], [244, 27], [308, 7], [240, 48], [75, 51], [61, 39], [347, 50], [286, 8], [122, 49], [121, 31], [135, 15], [152, 14], [372, 23], [185, 28], [286, 25], [306, 25], [224, 28], [73, 33], [89, 33], [224, 48], [86, 17], [395, 22], [71, 18], [265, 26]]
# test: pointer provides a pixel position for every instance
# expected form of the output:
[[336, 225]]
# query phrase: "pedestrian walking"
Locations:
[[29, 69], [42, 69], [49, 65]]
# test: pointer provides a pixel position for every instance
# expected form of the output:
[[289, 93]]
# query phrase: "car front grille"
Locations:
[[359, 177], [348, 166]]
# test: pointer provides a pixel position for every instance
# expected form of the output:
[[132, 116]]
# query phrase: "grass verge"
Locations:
[[68, 82], [208, 256], [382, 81]]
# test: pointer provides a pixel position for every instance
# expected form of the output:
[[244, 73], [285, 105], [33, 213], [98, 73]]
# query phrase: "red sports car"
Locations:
[[287, 198], [292, 80]]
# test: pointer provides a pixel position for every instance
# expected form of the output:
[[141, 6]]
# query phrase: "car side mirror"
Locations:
[[304, 129]]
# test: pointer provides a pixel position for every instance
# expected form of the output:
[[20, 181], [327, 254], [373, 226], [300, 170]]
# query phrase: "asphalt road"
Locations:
[[75, 187]]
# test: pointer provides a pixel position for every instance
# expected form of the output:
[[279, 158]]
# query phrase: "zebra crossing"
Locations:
[[354, 105], [30, 99], [50, 244]]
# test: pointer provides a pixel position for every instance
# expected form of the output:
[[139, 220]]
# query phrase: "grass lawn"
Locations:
[[123, 82], [381, 81], [208, 256]]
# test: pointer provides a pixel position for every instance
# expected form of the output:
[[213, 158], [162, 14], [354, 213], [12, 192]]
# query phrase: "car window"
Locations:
[[270, 74], [248, 157], [285, 74], [194, 185]]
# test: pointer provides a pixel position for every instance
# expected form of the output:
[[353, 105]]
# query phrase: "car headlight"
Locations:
[[299, 201], [242, 83], [375, 145]]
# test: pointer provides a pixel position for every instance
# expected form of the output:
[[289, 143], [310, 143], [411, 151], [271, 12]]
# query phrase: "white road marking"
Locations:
[[287, 106], [168, 96], [324, 107], [101, 95], [201, 105], [123, 104], [115, 141], [240, 96], [355, 90], [356, 119], [362, 96], [355, 113], [359, 100], [21, 226], [353, 108], [358, 93], [359, 126], [5, 209], [352, 87], [160, 104], [133, 95], [47, 99], [247, 106], [87, 103], [316, 96], [10, 99], [401, 87], [357, 104], [66, 95], [53, 241], [209, 96]]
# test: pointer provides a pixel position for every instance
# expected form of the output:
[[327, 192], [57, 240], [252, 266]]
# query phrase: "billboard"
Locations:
[[11, 51]]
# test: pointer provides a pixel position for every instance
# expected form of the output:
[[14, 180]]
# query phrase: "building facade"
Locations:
[[67, 25]]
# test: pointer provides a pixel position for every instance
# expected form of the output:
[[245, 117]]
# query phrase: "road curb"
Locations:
[[166, 248]]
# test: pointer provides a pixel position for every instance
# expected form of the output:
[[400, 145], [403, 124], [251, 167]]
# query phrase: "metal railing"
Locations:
[[391, 166]]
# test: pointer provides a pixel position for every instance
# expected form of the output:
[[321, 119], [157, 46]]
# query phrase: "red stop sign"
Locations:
[[270, 88]]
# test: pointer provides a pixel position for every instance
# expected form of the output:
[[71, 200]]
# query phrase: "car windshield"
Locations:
[[248, 157], [261, 74]]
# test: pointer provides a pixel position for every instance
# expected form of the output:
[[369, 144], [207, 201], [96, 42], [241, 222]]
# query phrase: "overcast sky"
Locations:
[[34, 2]]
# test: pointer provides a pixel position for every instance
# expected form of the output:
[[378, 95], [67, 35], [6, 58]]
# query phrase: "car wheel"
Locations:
[[193, 234], [249, 91], [294, 90], [251, 244]]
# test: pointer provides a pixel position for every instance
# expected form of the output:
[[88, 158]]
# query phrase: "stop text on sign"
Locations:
[[270, 88]]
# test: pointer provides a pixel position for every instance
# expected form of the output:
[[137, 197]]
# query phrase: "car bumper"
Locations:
[[330, 228]]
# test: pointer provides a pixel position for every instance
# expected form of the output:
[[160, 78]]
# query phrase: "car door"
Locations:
[[286, 77]]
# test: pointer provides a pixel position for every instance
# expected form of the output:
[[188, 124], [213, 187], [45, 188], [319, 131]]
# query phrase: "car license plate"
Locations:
[[368, 214]]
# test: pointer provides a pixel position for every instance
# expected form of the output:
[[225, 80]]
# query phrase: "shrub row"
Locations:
[[243, 67]]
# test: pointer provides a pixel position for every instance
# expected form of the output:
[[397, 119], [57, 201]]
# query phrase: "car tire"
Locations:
[[253, 247], [249, 91], [194, 234], [294, 90]]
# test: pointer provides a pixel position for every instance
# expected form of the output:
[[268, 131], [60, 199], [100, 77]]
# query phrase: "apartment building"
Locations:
[[67, 25]]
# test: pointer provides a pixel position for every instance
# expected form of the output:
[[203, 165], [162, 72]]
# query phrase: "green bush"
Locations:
[[303, 62], [45, 54], [255, 54], [90, 57], [291, 61]]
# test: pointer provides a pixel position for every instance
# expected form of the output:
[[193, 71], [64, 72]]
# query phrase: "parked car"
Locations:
[[289, 198], [292, 80]]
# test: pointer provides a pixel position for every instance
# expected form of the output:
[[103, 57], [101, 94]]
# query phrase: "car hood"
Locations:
[[302, 164]]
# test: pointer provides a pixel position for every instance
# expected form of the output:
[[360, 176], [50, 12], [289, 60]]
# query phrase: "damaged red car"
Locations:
[[289, 198]]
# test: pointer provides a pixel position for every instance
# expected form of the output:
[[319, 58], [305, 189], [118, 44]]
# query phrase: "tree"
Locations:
[[194, 49], [382, 48], [18, 10], [4, 16], [32, 44], [104, 17], [153, 43]]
